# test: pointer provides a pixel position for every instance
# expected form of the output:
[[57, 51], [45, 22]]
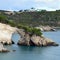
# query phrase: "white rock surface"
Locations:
[[6, 32], [2, 49]]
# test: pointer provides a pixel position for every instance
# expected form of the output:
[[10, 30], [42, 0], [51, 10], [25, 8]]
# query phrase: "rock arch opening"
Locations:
[[15, 37]]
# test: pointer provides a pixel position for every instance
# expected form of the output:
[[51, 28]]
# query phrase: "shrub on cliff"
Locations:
[[11, 22], [36, 31], [30, 30]]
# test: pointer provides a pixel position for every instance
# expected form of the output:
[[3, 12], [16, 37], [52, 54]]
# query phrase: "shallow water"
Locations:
[[34, 53]]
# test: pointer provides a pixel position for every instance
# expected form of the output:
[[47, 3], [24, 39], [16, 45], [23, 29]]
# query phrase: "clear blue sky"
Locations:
[[27, 4]]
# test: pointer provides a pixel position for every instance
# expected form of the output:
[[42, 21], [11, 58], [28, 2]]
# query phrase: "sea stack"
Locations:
[[35, 40]]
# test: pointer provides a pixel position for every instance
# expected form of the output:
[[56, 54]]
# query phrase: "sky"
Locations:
[[16, 5]]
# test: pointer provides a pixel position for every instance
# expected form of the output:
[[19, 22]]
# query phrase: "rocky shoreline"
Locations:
[[6, 43], [6, 32], [2, 49], [36, 41], [46, 28]]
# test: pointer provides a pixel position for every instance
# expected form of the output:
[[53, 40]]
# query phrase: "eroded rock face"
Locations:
[[42, 41], [6, 32], [2, 49], [24, 40], [36, 41]]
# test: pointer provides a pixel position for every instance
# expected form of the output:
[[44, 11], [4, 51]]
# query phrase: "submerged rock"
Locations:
[[13, 50]]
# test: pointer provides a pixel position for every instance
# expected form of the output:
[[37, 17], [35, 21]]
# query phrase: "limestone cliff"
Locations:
[[6, 32]]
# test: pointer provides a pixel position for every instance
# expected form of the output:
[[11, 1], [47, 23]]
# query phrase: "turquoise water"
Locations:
[[34, 53]]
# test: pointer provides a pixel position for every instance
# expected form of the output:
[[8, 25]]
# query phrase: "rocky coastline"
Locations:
[[6, 32], [2, 49], [36, 41], [46, 28]]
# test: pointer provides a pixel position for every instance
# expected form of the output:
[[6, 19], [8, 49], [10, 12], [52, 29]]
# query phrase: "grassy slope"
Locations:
[[51, 18]]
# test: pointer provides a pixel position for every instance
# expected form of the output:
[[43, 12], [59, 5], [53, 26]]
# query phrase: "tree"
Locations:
[[20, 10], [43, 10], [33, 8]]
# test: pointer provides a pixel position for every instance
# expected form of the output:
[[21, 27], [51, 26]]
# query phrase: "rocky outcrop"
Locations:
[[36, 41], [2, 49], [42, 41], [45, 28], [24, 40], [6, 32]]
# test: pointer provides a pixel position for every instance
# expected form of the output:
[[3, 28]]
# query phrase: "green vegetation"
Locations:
[[34, 18], [29, 19], [11, 22], [3, 19], [30, 30]]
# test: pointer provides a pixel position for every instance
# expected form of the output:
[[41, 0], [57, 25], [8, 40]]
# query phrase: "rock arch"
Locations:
[[18, 35], [6, 32]]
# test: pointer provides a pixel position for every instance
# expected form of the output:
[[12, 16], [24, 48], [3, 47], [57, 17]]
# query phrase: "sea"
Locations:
[[33, 52]]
